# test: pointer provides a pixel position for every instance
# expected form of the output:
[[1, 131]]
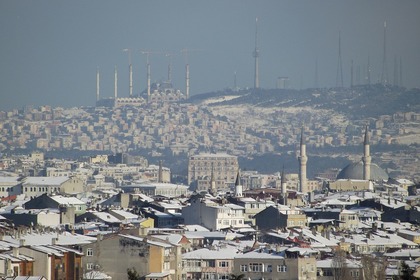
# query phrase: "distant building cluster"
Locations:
[[100, 218]]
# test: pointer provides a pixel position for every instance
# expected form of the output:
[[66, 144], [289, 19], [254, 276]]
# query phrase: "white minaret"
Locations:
[[366, 156], [97, 84], [115, 83], [148, 81], [131, 79], [302, 161], [187, 81], [238, 186], [212, 182], [283, 183], [160, 172]]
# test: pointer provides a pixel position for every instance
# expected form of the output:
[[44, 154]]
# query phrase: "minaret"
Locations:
[[115, 83], [148, 81], [351, 74], [187, 81], [212, 181], [256, 55], [97, 84], [384, 76], [238, 186], [339, 78], [302, 161], [130, 68], [283, 185], [160, 174], [366, 157]]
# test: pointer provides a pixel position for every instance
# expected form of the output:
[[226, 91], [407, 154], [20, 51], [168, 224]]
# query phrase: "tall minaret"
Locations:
[[148, 81], [366, 157], [238, 186], [97, 84], [115, 83], [187, 81], [384, 76], [130, 68], [302, 161], [212, 181], [160, 172], [256, 55], [283, 185]]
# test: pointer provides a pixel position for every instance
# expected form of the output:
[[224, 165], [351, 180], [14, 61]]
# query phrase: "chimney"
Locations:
[[15, 252], [22, 242]]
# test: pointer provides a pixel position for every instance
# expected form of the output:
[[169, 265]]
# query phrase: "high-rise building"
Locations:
[[219, 168]]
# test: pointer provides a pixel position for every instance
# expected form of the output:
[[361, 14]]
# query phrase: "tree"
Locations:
[[133, 274], [237, 277], [339, 265], [406, 272], [368, 268]]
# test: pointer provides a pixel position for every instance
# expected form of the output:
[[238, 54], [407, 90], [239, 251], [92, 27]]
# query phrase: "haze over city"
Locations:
[[50, 51]]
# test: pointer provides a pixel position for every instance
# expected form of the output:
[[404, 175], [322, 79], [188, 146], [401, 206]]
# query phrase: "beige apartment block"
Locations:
[[222, 167]]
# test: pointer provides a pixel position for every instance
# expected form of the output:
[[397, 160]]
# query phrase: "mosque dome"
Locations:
[[355, 171]]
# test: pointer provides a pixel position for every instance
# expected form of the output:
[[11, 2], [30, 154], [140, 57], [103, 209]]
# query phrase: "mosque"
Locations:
[[364, 169]]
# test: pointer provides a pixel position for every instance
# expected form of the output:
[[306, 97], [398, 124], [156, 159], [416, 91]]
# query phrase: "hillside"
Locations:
[[356, 103]]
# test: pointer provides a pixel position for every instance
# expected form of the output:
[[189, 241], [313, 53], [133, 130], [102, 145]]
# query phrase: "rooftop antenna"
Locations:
[[97, 84], [339, 79], [401, 74], [368, 71], [395, 71], [384, 75], [130, 70], [316, 73], [256, 55], [115, 82]]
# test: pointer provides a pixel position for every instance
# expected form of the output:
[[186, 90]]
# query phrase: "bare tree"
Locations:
[[368, 268], [339, 265], [373, 267]]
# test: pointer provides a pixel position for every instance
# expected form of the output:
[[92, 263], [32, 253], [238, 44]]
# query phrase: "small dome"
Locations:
[[355, 171]]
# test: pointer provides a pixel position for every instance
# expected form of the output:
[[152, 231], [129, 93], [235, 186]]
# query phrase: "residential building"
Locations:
[[280, 217], [222, 167]]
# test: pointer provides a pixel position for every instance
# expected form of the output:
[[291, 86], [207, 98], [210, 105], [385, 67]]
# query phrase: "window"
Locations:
[[89, 252], [243, 268], [89, 266], [255, 267], [281, 268], [269, 268], [223, 264]]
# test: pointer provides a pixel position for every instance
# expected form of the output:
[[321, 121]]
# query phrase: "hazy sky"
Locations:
[[50, 50]]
